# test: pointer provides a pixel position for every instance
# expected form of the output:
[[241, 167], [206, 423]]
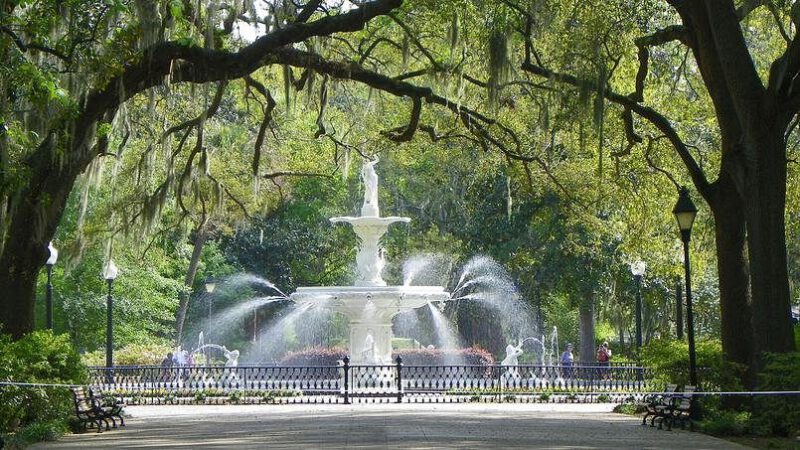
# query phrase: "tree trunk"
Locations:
[[35, 218], [586, 315], [765, 201], [200, 238], [732, 267]]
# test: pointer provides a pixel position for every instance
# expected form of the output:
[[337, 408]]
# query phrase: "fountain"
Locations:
[[370, 304]]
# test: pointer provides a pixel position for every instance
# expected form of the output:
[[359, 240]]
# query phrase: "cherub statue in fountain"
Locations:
[[368, 354], [512, 358], [512, 354], [370, 178], [231, 357]]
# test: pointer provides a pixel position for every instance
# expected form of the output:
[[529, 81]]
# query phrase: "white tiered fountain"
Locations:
[[370, 305]]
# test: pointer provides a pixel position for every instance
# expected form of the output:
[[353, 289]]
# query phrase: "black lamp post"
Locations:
[[685, 212], [110, 274], [637, 269], [51, 261]]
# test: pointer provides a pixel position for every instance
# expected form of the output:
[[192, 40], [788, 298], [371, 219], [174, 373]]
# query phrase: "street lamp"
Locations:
[[637, 269], [685, 212], [210, 286], [110, 274], [51, 261]]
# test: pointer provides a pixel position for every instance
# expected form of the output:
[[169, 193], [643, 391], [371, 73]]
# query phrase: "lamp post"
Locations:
[[51, 261], [110, 274], [210, 286], [637, 269], [685, 213]]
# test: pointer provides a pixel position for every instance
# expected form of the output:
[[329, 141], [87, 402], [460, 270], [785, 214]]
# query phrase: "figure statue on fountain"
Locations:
[[512, 354], [512, 358], [369, 354], [370, 178], [231, 357]]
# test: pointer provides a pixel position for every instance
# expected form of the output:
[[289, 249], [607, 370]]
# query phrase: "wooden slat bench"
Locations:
[[87, 411]]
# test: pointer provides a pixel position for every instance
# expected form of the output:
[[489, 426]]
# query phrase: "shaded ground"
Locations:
[[416, 426]]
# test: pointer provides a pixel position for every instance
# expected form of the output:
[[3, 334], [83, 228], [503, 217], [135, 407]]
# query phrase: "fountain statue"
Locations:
[[512, 354], [370, 304], [231, 357]]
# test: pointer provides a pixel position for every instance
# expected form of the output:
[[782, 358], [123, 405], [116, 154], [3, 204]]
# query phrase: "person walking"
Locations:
[[567, 360]]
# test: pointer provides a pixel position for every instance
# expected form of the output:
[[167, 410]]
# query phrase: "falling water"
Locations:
[[429, 269], [242, 279], [277, 336], [486, 282], [230, 318], [446, 336]]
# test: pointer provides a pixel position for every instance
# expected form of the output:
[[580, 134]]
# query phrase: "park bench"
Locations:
[[654, 402], [679, 410], [87, 411], [111, 406]]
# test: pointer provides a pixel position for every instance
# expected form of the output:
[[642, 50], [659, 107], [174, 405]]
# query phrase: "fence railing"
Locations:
[[346, 383]]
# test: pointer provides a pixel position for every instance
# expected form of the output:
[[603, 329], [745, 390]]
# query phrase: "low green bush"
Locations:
[[36, 432], [131, 355], [669, 361], [726, 423], [779, 414], [39, 357]]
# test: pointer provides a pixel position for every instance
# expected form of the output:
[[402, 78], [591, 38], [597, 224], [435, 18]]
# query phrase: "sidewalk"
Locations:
[[389, 426]]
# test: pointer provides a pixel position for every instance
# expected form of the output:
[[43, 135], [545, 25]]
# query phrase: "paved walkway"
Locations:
[[389, 426]]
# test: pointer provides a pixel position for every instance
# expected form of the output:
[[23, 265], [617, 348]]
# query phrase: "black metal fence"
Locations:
[[348, 383]]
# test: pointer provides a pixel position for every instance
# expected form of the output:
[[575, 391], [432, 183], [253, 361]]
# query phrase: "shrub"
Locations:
[[726, 423], [669, 360], [330, 356], [628, 408], [131, 355], [432, 357], [39, 357], [315, 356], [780, 415]]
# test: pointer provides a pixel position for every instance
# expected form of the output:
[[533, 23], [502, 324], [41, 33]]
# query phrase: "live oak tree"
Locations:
[[747, 59], [72, 66]]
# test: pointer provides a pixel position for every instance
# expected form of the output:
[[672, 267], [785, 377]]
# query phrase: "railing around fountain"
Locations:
[[346, 383]]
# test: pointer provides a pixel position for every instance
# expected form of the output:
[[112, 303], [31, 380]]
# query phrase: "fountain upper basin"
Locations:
[[364, 302]]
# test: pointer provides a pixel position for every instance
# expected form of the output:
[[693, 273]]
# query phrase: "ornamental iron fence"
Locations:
[[346, 383]]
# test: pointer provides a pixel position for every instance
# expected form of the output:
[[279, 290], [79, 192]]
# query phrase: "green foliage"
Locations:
[[36, 432], [726, 423], [779, 414], [130, 355], [39, 357], [669, 360]]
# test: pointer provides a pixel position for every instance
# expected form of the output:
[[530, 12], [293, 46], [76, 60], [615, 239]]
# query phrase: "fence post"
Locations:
[[499, 383], [399, 361], [346, 361]]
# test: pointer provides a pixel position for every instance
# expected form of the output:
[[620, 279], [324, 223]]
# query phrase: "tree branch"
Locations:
[[647, 113], [413, 123], [660, 37], [23, 47]]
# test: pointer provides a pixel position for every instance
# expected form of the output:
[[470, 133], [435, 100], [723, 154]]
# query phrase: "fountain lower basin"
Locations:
[[370, 310]]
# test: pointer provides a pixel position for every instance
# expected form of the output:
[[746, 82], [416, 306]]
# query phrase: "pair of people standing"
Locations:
[[568, 359]]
